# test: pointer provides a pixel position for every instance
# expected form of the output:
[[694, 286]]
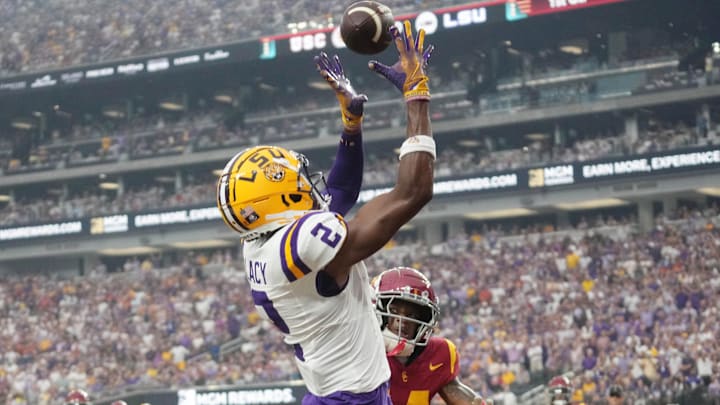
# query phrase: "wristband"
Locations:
[[352, 123], [418, 143], [418, 91]]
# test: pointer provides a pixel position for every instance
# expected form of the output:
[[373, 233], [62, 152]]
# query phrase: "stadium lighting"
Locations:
[[171, 105], [165, 179], [574, 46], [4, 198], [113, 111], [224, 98], [22, 123], [132, 251], [592, 204], [469, 143], [203, 244], [537, 136], [572, 49], [711, 191], [109, 185], [506, 213]]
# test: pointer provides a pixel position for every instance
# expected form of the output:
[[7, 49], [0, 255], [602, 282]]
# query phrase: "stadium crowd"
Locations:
[[643, 306], [37, 35], [454, 161], [269, 119]]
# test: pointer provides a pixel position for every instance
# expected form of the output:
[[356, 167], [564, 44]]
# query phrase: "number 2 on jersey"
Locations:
[[326, 235]]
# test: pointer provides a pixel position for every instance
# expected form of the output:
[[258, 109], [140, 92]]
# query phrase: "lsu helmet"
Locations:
[[410, 285], [77, 397], [560, 390], [264, 188]]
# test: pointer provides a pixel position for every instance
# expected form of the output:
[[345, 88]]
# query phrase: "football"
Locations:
[[364, 27]]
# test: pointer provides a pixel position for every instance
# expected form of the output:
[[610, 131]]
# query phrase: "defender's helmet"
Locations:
[[77, 397], [560, 390], [266, 187], [409, 285]]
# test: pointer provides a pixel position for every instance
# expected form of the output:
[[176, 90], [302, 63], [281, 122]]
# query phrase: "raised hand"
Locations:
[[351, 103], [408, 73]]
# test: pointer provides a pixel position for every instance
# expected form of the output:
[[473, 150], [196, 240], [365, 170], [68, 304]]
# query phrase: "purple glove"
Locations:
[[351, 103], [408, 73]]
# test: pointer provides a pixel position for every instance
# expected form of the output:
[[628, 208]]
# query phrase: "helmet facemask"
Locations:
[[318, 185], [400, 342]]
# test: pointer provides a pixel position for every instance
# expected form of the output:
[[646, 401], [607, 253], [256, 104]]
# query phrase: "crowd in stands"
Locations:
[[103, 331], [453, 161], [96, 202], [637, 310], [611, 304], [156, 136], [201, 128], [39, 35]]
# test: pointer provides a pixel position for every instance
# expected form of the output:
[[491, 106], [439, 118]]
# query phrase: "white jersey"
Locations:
[[337, 339]]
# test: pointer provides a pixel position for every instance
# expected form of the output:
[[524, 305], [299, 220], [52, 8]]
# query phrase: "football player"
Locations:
[[303, 261], [77, 397], [560, 390], [422, 365]]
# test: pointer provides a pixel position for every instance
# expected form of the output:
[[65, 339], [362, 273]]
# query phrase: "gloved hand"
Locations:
[[408, 73], [351, 103]]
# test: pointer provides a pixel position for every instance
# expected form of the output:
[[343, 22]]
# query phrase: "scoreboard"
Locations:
[[526, 8], [438, 20]]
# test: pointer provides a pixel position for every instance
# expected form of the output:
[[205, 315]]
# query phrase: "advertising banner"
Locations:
[[544, 177]]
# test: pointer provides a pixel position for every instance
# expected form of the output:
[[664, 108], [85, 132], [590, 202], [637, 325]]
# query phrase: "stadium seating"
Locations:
[[38, 35], [641, 307]]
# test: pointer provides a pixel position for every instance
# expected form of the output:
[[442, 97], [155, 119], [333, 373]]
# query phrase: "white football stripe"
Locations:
[[376, 20], [227, 211]]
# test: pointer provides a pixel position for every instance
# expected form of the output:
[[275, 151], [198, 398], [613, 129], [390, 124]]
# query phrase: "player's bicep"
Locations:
[[371, 228]]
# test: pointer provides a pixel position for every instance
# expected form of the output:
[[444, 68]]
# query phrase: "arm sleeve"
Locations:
[[311, 242], [345, 177]]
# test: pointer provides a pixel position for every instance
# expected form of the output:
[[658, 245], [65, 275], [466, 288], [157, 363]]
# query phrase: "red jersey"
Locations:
[[419, 381]]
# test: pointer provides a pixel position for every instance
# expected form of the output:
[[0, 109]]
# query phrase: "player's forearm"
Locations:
[[345, 177], [415, 172], [415, 180], [418, 118], [457, 393]]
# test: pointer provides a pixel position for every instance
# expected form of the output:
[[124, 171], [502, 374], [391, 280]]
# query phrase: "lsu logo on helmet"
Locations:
[[264, 188]]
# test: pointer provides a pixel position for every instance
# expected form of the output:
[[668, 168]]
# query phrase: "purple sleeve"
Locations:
[[345, 177]]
